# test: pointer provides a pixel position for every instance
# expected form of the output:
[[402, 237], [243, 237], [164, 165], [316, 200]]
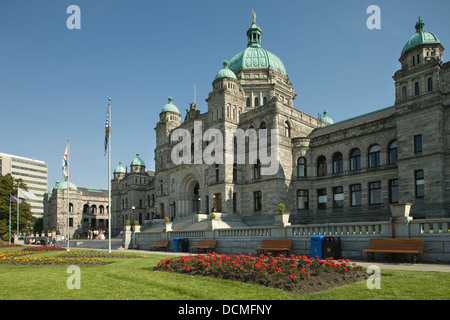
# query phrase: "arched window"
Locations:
[[393, 152], [263, 125], [257, 170], [101, 208], [375, 156], [338, 163], [321, 166], [355, 160], [287, 129], [70, 207], [301, 167], [93, 208], [86, 208]]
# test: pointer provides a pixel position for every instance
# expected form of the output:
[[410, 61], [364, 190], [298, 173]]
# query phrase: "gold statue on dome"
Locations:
[[254, 16]]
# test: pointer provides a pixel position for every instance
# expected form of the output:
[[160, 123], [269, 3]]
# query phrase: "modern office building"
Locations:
[[33, 172]]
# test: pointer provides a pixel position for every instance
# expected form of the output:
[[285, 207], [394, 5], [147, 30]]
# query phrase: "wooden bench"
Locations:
[[283, 245], [395, 245], [160, 244], [205, 244]]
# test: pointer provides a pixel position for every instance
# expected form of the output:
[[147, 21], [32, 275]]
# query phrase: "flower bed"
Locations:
[[292, 273], [43, 248], [98, 254]]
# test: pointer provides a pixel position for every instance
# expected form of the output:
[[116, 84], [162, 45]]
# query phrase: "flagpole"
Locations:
[[10, 218], [68, 194], [18, 210], [109, 178]]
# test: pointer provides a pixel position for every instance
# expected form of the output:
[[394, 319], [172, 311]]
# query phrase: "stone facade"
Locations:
[[88, 209], [327, 172]]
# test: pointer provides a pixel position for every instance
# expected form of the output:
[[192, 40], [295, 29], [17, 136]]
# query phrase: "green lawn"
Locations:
[[133, 278]]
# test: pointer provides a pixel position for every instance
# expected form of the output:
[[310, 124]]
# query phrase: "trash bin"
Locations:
[[331, 247], [175, 244], [316, 247]]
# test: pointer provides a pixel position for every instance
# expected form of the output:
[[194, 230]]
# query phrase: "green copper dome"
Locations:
[[137, 161], [420, 37], [63, 185], [326, 118], [255, 56], [170, 107], [120, 168], [225, 72]]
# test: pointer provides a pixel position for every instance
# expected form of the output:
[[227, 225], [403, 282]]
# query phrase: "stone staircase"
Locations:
[[200, 222]]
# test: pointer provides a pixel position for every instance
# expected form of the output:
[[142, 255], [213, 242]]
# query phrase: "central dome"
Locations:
[[255, 56], [420, 37]]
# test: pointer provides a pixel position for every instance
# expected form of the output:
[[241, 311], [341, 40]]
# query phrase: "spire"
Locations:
[[419, 25], [254, 33]]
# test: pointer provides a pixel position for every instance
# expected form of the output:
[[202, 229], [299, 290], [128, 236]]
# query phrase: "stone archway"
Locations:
[[189, 196]]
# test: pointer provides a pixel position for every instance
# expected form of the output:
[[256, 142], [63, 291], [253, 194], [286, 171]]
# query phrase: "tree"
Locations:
[[8, 186]]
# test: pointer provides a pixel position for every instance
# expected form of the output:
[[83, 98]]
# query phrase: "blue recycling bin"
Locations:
[[317, 247], [175, 244]]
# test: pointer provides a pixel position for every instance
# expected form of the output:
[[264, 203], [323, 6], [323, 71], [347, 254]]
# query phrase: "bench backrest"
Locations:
[[209, 243], [162, 242], [277, 243], [397, 243]]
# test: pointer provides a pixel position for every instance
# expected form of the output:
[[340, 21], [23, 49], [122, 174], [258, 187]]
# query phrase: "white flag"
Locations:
[[65, 162], [27, 195]]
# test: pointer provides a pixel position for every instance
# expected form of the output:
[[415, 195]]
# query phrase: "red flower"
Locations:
[[292, 276], [188, 269]]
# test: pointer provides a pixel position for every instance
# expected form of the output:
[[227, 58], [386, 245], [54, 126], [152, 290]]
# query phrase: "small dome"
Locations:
[[225, 72], [326, 118], [63, 185], [420, 37], [120, 168], [170, 107], [137, 161]]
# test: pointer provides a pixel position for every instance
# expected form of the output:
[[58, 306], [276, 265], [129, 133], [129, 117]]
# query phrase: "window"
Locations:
[[321, 166], [418, 143], [356, 195], [302, 200], [93, 208], [248, 104], [355, 160], [265, 100], [322, 198], [257, 170], [430, 84], [338, 197], [86, 208], [416, 89], [393, 152], [217, 173], [234, 172], [70, 207], [420, 183], [287, 129], [101, 208], [256, 102], [404, 93], [257, 195], [301, 167], [393, 191], [375, 192], [375, 156], [263, 125], [234, 202], [338, 163]]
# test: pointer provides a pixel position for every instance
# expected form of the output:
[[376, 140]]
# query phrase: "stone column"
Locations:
[[126, 243]]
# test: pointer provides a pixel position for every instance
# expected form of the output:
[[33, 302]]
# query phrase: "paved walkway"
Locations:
[[116, 245]]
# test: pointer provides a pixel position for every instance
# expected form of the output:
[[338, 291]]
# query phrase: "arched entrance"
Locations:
[[190, 200]]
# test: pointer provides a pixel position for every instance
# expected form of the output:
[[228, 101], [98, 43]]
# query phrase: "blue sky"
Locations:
[[55, 82]]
